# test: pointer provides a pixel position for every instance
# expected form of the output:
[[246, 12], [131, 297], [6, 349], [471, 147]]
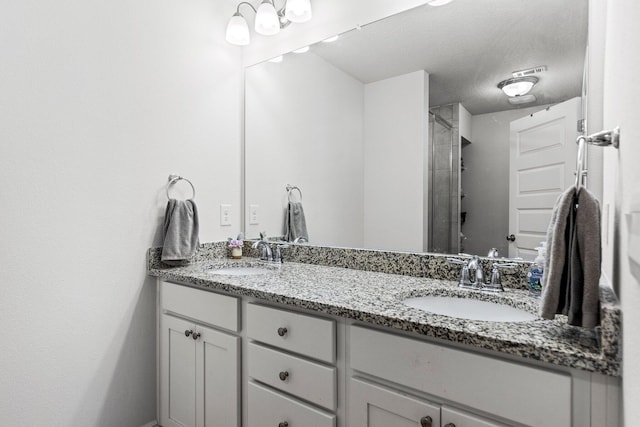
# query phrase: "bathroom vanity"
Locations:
[[303, 344]]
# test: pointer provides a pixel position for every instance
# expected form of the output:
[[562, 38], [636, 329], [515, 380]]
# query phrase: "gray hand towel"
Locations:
[[572, 268], [295, 224], [180, 231]]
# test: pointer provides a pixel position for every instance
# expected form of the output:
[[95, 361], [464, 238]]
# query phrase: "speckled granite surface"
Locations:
[[375, 297]]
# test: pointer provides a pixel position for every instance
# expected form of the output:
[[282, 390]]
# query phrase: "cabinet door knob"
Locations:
[[196, 335], [449, 425], [283, 424], [426, 421], [188, 332], [282, 331], [283, 375]]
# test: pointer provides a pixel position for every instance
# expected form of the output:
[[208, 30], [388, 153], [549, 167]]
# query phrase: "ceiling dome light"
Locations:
[[517, 86], [238, 30], [524, 99], [438, 2], [298, 10], [267, 20]]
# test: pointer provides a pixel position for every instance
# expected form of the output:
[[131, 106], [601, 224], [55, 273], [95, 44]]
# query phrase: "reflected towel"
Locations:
[[570, 284], [180, 231], [295, 224]]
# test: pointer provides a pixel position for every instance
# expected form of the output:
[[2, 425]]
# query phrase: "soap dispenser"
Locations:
[[534, 276]]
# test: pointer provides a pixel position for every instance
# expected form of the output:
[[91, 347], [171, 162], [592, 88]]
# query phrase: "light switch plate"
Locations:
[[254, 218], [225, 214]]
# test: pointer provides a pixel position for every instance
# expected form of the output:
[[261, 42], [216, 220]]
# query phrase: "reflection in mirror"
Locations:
[[373, 128]]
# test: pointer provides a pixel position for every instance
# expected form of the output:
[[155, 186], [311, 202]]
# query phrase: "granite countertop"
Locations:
[[376, 298]]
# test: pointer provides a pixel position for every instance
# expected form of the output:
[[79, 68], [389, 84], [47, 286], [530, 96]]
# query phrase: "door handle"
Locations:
[[511, 238]]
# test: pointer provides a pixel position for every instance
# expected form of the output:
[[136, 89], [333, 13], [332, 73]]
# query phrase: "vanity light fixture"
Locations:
[[438, 2], [331, 39], [302, 50], [517, 86], [277, 59], [269, 20]]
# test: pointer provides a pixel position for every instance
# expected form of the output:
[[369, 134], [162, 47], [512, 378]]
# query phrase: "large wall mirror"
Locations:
[[398, 136]]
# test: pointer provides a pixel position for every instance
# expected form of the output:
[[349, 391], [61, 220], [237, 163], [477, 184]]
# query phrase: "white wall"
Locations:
[[486, 181], [288, 105], [621, 94], [395, 135], [100, 102]]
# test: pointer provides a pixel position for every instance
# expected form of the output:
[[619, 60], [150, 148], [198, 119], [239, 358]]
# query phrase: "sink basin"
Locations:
[[239, 271], [468, 308]]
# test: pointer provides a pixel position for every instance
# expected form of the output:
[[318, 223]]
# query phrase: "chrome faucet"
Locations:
[[300, 239], [266, 253], [476, 265]]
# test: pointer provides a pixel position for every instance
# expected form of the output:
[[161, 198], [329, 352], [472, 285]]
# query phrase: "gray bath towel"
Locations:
[[180, 231], [572, 268], [295, 224]]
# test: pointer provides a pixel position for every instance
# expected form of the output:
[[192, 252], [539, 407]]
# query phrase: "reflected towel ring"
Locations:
[[290, 188], [173, 178]]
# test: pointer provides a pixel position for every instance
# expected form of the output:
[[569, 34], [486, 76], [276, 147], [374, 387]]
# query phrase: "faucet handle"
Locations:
[[464, 281], [495, 283]]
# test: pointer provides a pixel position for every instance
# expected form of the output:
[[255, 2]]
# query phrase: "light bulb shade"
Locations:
[[238, 31], [298, 10], [517, 86], [267, 21]]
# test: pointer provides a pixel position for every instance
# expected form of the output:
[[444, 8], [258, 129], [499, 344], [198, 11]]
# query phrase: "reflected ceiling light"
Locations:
[[524, 99], [438, 2], [517, 86], [331, 39], [269, 20], [302, 50]]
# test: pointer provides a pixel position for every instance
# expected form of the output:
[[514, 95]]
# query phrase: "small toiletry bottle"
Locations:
[[534, 276]]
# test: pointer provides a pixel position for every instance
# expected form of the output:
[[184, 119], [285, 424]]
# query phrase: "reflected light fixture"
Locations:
[[438, 2], [517, 86], [331, 39], [302, 50], [269, 20]]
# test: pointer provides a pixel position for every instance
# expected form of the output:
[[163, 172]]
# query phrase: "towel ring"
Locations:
[[173, 178], [290, 188]]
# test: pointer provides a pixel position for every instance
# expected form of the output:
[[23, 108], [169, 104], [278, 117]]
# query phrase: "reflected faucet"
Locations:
[[300, 239], [265, 254]]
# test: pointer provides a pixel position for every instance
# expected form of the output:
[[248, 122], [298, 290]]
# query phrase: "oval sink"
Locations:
[[239, 271], [472, 309]]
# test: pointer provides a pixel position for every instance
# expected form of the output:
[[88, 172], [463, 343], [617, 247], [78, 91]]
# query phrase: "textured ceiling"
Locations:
[[468, 46]]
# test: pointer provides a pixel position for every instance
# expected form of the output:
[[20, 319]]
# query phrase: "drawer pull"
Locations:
[[188, 332], [449, 425], [286, 424], [196, 335], [282, 331], [426, 421], [283, 375]]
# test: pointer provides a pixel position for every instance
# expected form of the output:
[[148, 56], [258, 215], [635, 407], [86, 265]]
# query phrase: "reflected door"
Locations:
[[541, 165]]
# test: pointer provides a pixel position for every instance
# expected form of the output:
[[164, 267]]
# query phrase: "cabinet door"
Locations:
[[177, 373], [217, 378], [376, 406], [455, 418]]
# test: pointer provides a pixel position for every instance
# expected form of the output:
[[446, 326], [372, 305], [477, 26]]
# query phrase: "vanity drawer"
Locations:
[[299, 333], [308, 380], [524, 394], [270, 408], [214, 309]]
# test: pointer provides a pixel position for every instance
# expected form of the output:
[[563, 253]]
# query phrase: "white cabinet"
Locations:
[[295, 383], [373, 405], [522, 394], [376, 406], [199, 366]]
